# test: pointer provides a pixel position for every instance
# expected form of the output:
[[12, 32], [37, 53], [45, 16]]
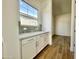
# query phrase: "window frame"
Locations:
[[30, 17]]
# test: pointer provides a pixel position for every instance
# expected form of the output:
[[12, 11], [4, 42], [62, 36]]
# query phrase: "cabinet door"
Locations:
[[28, 49], [45, 39], [42, 41]]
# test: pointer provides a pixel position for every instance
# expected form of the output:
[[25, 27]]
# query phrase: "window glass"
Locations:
[[35, 13], [27, 9], [30, 11], [23, 7]]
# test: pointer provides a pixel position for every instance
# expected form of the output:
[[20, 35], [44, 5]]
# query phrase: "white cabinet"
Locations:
[[32, 46], [42, 41], [28, 48]]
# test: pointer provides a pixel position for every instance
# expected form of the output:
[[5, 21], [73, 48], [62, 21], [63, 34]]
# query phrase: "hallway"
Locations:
[[59, 49]]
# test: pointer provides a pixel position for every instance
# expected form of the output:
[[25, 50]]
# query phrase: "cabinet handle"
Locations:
[[36, 43], [30, 39], [27, 42]]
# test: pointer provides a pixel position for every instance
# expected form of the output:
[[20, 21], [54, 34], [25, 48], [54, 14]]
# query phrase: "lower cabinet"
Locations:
[[29, 49], [32, 46]]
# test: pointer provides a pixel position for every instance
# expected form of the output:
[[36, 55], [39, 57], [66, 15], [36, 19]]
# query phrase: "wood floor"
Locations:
[[59, 49]]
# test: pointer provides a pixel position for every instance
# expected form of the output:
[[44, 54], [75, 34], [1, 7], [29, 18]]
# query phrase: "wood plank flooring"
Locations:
[[59, 49]]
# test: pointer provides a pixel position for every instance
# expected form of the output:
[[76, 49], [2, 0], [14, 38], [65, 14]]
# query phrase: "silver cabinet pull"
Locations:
[[30, 39], [36, 43]]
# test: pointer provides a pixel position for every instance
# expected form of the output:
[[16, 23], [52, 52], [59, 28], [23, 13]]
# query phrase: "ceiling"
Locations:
[[61, 7], [35, 3]]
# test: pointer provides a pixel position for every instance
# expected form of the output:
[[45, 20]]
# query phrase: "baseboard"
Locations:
[[53, 35], [60, 35]]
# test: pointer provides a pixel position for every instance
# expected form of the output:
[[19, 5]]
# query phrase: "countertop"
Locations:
[[27, 35]]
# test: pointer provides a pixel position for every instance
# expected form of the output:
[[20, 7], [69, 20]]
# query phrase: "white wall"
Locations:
[[10, 29], [63, 25], [47, 18], [47, 15]]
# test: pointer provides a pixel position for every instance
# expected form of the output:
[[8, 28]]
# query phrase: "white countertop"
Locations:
[[25, 35]]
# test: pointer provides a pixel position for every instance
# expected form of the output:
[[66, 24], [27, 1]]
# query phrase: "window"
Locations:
[[28, 18], [28, 9]]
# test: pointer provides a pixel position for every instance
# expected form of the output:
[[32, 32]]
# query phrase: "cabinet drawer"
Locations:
[[26, 41], [39, 37]]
